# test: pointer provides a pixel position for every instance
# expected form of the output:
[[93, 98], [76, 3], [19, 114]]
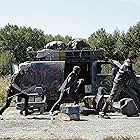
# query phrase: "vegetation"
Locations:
[[117, 45], [3, 87], [15, 41], [5, 60], [120, 138]]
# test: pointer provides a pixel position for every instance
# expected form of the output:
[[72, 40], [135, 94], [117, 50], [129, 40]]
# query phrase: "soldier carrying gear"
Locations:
[[120, 83], [14, 89], [69, 88]]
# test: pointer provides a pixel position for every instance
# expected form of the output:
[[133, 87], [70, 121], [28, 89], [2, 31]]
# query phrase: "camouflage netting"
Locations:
[[56, 45], [76, 44], [76, 48]]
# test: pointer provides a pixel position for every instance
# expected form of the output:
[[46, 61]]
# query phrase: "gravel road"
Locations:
[[90, 127]]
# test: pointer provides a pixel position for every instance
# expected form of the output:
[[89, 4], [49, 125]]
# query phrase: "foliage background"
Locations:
[[15, 40]]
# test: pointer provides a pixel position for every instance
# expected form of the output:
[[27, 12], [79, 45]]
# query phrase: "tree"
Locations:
[[5, 59], [107, 41], [131, 40], [65, 39], [18, 39]]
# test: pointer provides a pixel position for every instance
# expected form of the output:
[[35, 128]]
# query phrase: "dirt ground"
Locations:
[[90, 127]]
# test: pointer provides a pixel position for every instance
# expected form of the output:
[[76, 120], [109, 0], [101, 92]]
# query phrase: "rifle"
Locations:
[[25, 91]]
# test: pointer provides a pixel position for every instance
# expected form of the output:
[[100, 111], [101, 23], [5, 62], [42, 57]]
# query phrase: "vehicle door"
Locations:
[[105, 73]]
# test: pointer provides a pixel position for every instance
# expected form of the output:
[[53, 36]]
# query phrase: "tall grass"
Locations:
[[4, 81]]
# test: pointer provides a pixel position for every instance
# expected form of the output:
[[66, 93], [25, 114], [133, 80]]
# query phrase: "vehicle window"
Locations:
[[104, 76], [104, 69]]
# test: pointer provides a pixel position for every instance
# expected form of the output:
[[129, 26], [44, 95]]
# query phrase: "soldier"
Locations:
[[69, 87], [120, 83], [14, 89]]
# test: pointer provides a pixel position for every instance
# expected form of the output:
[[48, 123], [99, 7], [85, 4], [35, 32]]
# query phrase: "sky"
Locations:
[[76, 18]]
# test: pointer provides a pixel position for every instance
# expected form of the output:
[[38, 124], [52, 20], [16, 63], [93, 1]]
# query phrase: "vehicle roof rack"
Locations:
[[71, 55]]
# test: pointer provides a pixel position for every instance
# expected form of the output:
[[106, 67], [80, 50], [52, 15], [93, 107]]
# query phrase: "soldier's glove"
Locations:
[[81, 80]]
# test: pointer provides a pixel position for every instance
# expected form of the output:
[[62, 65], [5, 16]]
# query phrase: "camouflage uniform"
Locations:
[[120, 83], [16, 79], [69, 88]]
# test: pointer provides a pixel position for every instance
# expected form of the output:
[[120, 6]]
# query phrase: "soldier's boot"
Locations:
[[103, 114], [27, 112]]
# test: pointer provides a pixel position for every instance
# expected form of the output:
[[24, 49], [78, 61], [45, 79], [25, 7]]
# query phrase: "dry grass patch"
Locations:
[[4, 81], [121, 138]]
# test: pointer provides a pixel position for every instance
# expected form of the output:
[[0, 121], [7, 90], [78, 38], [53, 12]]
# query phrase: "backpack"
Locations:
[[128, 107]]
